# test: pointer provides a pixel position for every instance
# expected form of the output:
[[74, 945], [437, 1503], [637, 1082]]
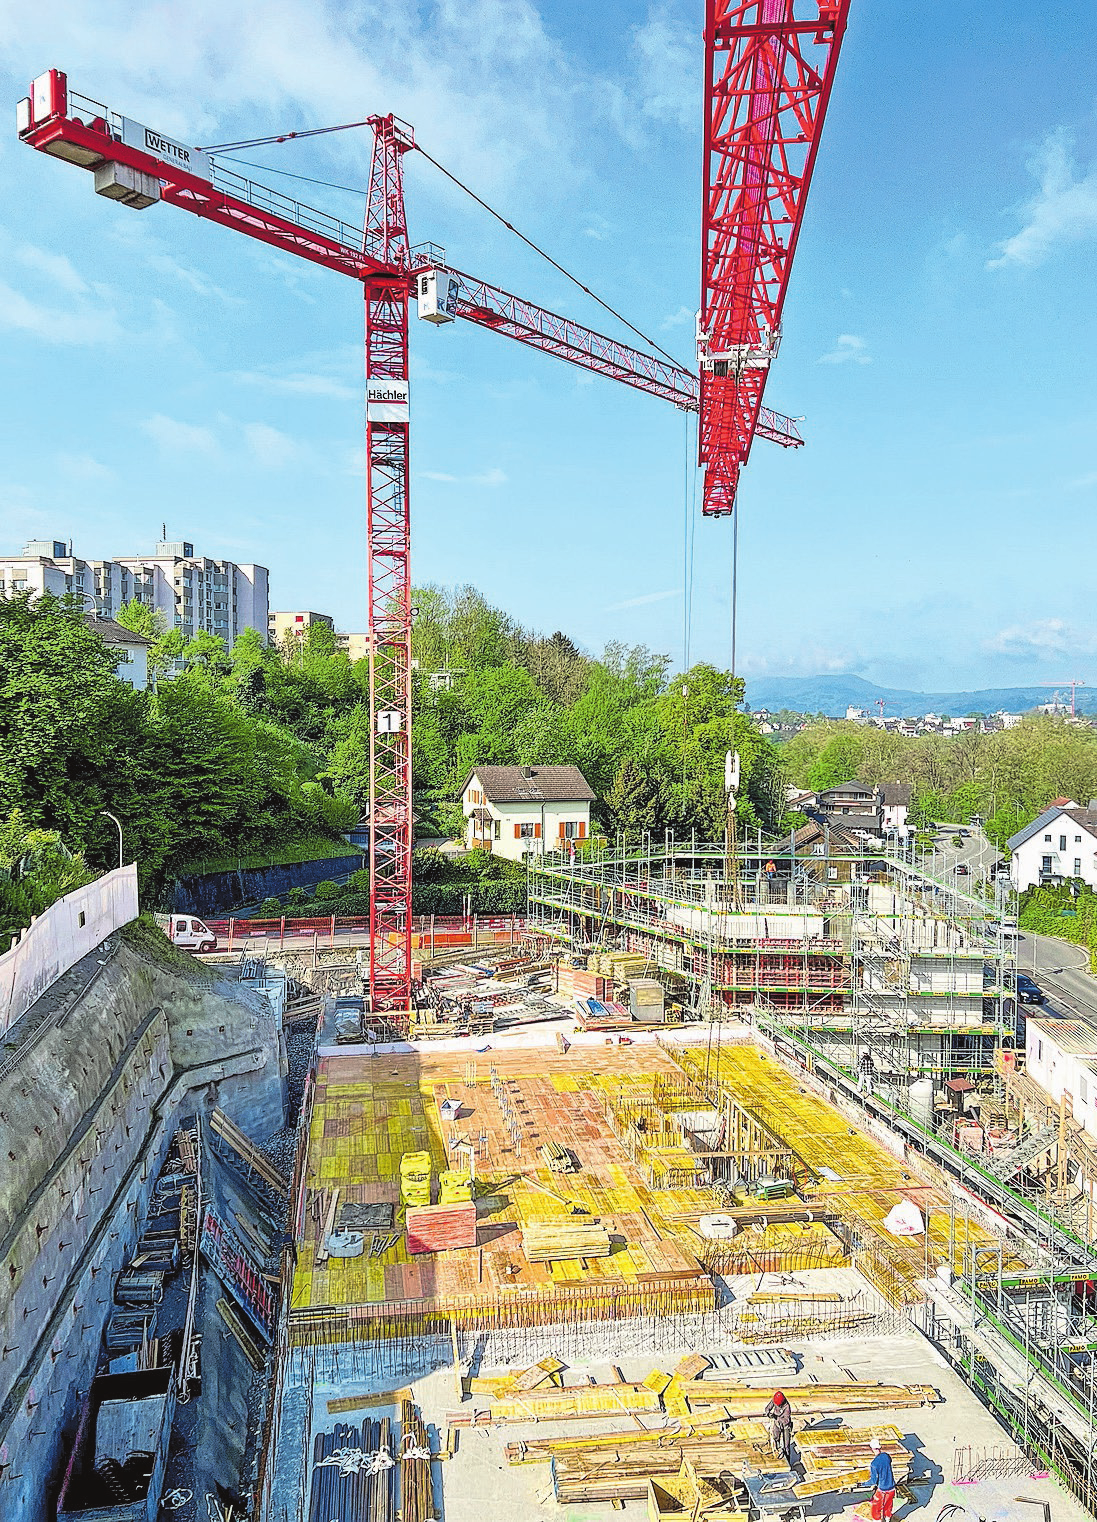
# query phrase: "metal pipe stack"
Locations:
[[347, 1483]]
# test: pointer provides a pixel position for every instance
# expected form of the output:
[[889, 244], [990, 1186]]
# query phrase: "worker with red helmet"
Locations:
[[778, 1413]]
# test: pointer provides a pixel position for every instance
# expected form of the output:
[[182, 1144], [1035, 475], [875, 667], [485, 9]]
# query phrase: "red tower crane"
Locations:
[[748, 181], [769, 68]]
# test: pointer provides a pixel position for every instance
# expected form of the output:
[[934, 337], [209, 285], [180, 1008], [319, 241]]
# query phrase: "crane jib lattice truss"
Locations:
[[765, 109], [769, 67]]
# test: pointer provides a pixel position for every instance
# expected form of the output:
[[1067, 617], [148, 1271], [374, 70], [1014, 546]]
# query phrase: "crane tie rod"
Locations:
[[285, 137]]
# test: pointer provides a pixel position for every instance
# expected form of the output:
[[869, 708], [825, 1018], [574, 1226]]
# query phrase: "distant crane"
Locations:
[[1056, 688], [769, 73]]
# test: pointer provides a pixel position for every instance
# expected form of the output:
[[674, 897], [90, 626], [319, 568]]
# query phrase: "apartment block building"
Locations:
[[191, 592], [284, 627]]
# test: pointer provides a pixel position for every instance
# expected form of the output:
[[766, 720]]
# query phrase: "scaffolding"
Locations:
[[846, 951]]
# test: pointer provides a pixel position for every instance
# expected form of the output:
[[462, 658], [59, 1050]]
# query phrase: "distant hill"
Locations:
[[832, 695]]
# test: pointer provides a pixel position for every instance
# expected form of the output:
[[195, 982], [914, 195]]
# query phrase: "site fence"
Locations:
[[58, 938], [428, 932]]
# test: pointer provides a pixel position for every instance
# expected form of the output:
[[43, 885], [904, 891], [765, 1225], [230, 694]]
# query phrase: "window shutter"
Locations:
[[582, 829], [517, 832], [537, 832], [560, 832]]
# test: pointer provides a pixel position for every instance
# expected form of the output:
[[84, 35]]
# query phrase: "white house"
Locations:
[[130, 651], [1061, 1056], [519, 811], [894, 803], [1061, 843]]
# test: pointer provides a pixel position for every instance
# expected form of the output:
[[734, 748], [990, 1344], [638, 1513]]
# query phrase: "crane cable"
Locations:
[[285, 137], [538, 250]]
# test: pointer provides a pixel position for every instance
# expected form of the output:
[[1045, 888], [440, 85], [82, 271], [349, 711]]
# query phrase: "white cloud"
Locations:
[[666, 53], [179, 438], [300, 384], [54, 325], [644, 599], [848, 350], [55, 267], [269, 445], [164, 264], [684, 317], [493, 476], [1040, 640], [84, 467], [1063, 211]]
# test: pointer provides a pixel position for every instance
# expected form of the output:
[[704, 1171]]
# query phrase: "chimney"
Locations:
[[527, 771]]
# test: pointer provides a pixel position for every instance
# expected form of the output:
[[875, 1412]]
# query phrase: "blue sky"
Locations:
[[939, 337]]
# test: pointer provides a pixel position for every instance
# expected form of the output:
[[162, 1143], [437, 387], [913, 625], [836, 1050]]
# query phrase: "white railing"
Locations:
[[57, 939]]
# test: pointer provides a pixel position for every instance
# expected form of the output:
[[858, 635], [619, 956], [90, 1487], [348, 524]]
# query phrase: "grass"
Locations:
[[304, 848], [149, 941]]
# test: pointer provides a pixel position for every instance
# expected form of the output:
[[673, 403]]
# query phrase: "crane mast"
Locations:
[[389, 538], [768, 77]]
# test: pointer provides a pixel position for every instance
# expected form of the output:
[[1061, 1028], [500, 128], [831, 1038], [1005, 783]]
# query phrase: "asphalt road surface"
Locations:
[[1062, 973]]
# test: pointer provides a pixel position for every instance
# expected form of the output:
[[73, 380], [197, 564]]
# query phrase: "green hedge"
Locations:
[[1058, 912]]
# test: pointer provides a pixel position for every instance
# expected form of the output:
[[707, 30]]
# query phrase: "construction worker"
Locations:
[[882, 1477], [866, 1072], [779, 1414]]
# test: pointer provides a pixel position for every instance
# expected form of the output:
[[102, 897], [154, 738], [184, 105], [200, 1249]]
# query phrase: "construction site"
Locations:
[[727, 1182]]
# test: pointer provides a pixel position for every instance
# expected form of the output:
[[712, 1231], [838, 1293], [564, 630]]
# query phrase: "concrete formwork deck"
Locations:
[[369, 1111]]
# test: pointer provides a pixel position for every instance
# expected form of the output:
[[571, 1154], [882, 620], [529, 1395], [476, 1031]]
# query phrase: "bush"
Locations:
[[297, 897], [326, 890], [270, 908]]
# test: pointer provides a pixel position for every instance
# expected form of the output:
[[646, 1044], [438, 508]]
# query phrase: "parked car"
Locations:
[[1028, 992], [962, 869]]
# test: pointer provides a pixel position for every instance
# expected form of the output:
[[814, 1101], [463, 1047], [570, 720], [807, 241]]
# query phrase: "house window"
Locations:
[[1077, 840], [497, 829], [1077, 866], [527, 831], [832, 874], [1082, 1094], [1039, 1051], [571, 829], [1045, 863], [1062, 842], [1048, 839], [817, 848]]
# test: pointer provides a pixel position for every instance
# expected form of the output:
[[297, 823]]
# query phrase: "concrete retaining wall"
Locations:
[[57, 939], [216, 893], [87, 1111]]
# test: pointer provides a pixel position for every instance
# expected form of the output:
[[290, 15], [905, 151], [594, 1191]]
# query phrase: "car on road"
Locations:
[[962, 869], [1028, 992]]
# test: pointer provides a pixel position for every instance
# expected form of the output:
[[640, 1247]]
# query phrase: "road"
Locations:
[[1062, 972]]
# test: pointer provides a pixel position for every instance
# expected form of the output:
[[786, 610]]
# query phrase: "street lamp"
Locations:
[[106, 813]]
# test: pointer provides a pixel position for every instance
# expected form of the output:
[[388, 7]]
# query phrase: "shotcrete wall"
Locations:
[[92, 1088]]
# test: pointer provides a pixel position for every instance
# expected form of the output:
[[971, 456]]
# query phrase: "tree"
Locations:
[[632, 802]]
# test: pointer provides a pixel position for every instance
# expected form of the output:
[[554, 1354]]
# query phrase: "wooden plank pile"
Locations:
[[556, 1241], [839, 1459], [570, 1403], [438, 1228], [735, 1399]]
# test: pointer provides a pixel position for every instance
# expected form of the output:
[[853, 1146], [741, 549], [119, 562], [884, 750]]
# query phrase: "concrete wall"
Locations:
[[62, 935], [216, 893], [88, 1108]]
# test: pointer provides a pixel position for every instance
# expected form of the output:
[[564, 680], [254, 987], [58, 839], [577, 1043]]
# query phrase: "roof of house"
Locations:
[[1076, 1037], [532, 784], [842, 839], [112, 633], [893, 793], [854, 785], [1086, 818]]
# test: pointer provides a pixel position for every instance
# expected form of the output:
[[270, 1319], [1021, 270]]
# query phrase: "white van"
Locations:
[[191, 934]]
